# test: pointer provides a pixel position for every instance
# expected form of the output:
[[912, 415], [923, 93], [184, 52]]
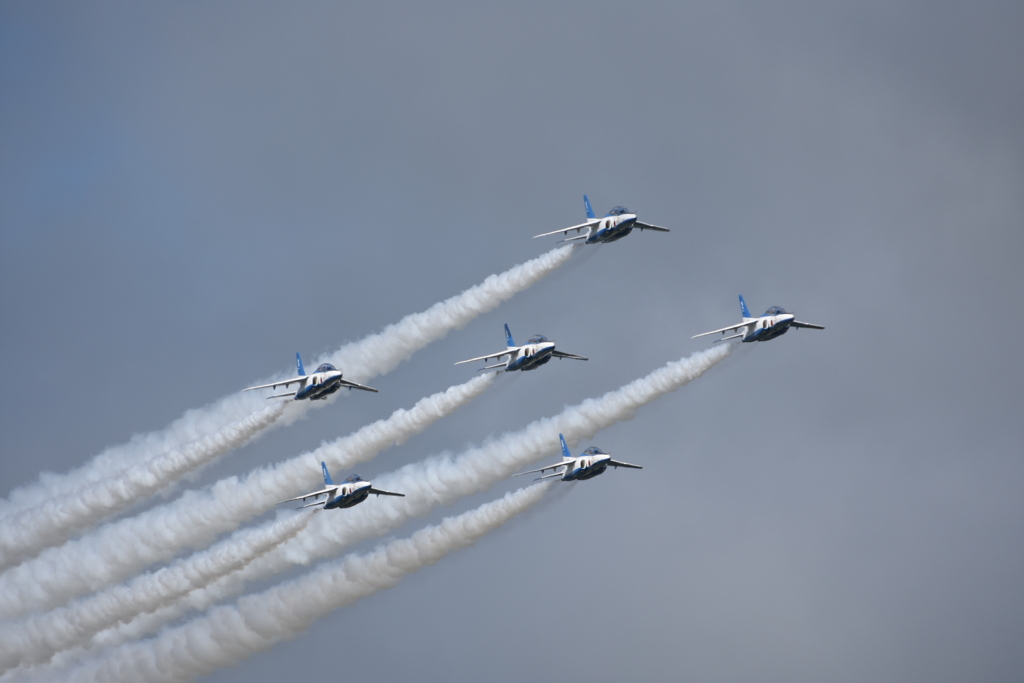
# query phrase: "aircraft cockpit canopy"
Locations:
[[326, 367], [775, 310], [352, 478], [594, 450], [618, 211], [537, 339]]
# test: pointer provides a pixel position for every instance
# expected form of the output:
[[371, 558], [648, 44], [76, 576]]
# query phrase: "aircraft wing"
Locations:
[[560, 354], [565, 231], [724, 329], [564, 463], [274, 385], [807, 325], [329, 491], [493, 355], [616, 463], [353, 385], [381, 492], [648, 226]]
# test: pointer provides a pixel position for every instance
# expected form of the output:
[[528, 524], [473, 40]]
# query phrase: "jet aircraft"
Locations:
[[773, 323], [318, 386], [352, 491], [587, 465], [616, 224], [530, 356]]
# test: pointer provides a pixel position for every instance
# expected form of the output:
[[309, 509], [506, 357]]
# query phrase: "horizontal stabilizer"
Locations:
[[561, 354], [724, 329], [616, 463], [491, 367], [565, 231], [807, 325], [493, 355], [353, 385], [381, 492], [573, 239], [274, 385], [734, 336], [648, 226], [329, 491]]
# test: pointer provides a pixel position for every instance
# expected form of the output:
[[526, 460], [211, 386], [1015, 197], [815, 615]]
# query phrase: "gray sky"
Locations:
[[191, 193]]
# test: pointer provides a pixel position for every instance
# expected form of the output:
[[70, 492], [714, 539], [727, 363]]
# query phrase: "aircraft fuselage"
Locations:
[[768, 327], [349, 495], [586, 468], [530, 357], [611, 228], [319, 386]]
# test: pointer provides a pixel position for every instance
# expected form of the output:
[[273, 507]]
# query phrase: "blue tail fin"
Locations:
[[565, 449], [298, 364], [586, 203], [327, 475], [743, 308], [508, 337]]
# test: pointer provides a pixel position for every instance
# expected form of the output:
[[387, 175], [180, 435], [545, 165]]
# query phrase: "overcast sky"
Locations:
[[192, 192]]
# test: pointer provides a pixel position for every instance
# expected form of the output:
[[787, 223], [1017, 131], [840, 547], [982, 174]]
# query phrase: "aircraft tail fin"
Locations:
[[327, 475], [298, 365], [508, 337], [586, 203], [743, 308], [565, 449]]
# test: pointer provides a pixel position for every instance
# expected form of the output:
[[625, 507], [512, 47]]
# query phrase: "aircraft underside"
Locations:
[[768, 334], [348, 501], [531, 363], [610, 235], [587, 474]]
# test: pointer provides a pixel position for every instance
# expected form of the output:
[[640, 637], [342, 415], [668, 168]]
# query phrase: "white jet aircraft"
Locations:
[[318, 386], [773, 323], [618, 223], [589, 464], [352, 491], [533, 354]]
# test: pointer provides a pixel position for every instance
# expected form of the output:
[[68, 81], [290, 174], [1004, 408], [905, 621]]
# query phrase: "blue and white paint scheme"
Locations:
[[353, 491], [587, 465], [774, 323], [615, 225], [316, 387], [530, 356]]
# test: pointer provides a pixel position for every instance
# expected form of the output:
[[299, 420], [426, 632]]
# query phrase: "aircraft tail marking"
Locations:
[[508, 337], [743, 308], [586, 203], [298, 365], [327, 475], [565, 449]]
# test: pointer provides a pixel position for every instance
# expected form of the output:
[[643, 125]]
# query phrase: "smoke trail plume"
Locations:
[[441, 480], [377, 354], [230, 633], [35, 639], [54, 521], [119, 549]]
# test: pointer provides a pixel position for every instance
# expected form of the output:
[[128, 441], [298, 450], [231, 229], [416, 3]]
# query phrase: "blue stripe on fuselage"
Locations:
[[354, 498], [530, 362], [767, 334], [617, 232]]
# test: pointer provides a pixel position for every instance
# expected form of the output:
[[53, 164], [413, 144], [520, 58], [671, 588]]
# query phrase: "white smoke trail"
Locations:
[[373, 355], [37, 638], [440, 480], [230, 633], [361, 360], [119, 549], [54, 521]]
